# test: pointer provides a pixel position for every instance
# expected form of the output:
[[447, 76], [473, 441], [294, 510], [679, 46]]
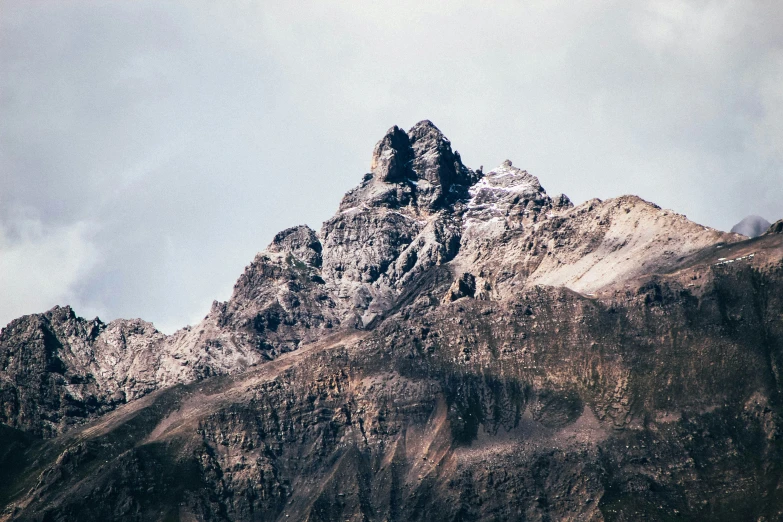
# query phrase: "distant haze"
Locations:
[[149, 149], [751, 226]]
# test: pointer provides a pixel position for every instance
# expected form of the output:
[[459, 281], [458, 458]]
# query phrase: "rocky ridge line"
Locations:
[[452, 345], [420, 208]]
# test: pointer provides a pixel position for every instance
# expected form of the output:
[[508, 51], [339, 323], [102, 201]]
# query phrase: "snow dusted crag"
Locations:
[[452, 345], [509, 197]]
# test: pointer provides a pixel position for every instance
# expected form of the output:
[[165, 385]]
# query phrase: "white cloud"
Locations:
[[41, 265], [767, 133]]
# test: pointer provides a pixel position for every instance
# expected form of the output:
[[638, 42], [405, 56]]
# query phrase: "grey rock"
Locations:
[[442, 178], [465, 286], [776, 227], [392, 157], [58, 370], [301, 243]]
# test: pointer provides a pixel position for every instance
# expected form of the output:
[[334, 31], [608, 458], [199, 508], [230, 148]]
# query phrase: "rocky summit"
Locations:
[[452, 345]]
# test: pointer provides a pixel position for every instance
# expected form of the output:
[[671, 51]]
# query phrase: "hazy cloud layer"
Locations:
[[149, 149]]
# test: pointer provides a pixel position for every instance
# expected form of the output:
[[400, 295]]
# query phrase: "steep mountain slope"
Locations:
[[452, 345]]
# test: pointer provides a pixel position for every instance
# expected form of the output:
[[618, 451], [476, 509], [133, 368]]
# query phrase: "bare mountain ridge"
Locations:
[[418, 208], [444, 328]]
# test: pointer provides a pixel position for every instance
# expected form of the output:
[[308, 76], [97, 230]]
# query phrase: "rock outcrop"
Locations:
[[775, 228], [452, 345], [57, 370]]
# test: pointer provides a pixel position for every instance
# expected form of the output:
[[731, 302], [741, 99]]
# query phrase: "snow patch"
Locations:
[[724, 261]]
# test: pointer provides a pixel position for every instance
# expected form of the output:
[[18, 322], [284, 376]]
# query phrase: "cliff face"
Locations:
[[452, 345]]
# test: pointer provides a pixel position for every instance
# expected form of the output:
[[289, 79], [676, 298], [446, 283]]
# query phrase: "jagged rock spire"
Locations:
[[392, 157], [441, 174], [422, 165]]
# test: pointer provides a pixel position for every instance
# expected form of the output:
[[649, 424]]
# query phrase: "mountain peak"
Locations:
[[416, 168], [751, 226], [300, 242], [425, 128], [441, 175], [391, 157], [452, 345]]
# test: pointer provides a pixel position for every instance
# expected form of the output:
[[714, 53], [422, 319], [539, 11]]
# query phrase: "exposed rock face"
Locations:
[[393, 227], [751, 226], [301, 243], [442, 178], [453, 345], [776, 227], [391, 159], [58, 369]]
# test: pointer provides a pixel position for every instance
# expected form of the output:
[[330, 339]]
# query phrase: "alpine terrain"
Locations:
[[452, 345]]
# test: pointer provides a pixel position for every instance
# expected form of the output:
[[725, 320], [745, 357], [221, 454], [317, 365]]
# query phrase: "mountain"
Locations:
[[453, 345], [751, 226]]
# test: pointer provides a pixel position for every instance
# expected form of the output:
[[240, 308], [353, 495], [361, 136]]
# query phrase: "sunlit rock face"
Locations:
[[453, 344]]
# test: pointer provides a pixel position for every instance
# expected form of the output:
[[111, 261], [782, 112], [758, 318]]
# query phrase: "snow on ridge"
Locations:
[[500, 183], [492, 197], [507, 178]]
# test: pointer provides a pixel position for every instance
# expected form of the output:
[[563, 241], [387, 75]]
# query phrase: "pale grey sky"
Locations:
[[148, 149]]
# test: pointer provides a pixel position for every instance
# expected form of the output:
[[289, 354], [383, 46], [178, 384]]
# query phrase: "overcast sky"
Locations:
[[148, 149]]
